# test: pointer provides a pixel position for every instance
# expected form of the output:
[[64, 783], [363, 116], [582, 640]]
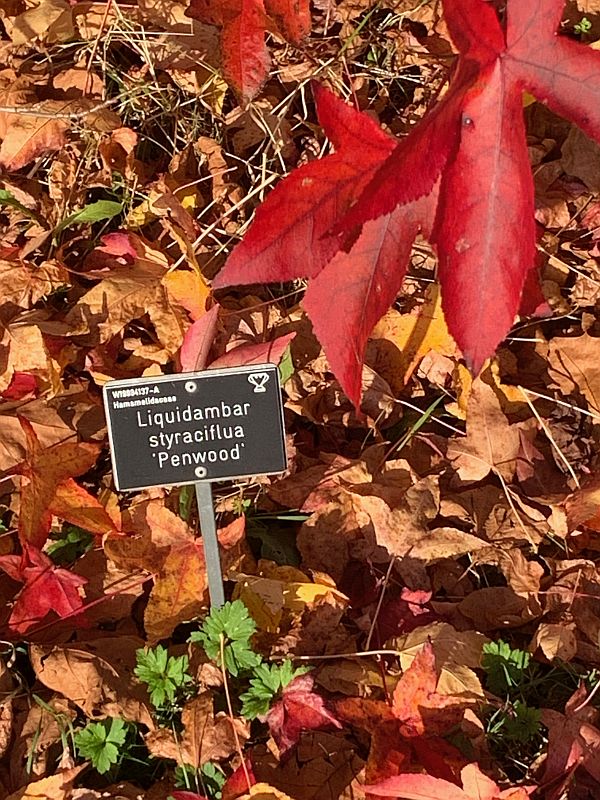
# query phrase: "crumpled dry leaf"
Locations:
[[574, 366], [324, 765], [97, 676], [55, 787], [206, 736], [23, 283], [491, 443], [49, 21], [133, 288]]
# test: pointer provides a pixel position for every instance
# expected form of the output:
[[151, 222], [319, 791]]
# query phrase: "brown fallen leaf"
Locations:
[[22, 349], [574, 367], [48, 477], [206, 736], [133, 288], [54, 787], [322, 767], [23, 284], [97, 676], [49, 21], [555, 641]]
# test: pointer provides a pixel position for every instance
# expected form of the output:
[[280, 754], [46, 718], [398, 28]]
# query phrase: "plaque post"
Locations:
[[208, 528]]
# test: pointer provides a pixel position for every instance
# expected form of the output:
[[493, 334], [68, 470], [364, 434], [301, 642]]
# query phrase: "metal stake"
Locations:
[[208, 527]]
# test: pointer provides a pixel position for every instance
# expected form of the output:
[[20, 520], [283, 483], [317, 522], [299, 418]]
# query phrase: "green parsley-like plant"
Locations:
[[166, 676], [505, 668], [266, 683], [102, 743], [229, 628]]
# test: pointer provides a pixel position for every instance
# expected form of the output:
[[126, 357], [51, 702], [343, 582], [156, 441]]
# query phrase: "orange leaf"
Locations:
[[416, 703], [46, 470]]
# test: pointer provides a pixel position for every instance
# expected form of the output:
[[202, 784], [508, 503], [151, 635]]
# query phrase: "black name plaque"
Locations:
[[195, 426]]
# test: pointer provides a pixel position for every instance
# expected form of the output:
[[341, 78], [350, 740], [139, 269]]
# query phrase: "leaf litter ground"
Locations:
[[433, 559]]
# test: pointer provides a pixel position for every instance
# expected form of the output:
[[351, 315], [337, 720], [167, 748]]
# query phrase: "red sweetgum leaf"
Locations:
[[300, 709], [45, 472], [485, 232], [486, 248], [46, 589], [367, 281], [287, 237], [244, 54], [187, 796], [472, 144]]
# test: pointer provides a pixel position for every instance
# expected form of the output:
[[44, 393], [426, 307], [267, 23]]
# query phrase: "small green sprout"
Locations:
[[229, 627], [164, 675], [102, 743]]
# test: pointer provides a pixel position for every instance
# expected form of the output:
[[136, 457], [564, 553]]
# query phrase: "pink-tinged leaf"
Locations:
[[367, 280], [46, 589], [557, 70], [261, 353], [287, 238], [416, 787], [118, 245], [193, 355], [477, 785], [292, 17], [300, 709], [486, 244]]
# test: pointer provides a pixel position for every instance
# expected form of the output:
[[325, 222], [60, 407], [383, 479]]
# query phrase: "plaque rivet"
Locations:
[[200, 472], [191, 386]]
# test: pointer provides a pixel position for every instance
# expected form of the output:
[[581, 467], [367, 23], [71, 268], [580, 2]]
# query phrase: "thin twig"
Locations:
[[36, 111], [230, 710]]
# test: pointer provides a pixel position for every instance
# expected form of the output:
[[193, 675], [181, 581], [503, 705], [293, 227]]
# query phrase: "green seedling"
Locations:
[[505, 668], [265, 685], [165, 676], [102, 743], [68, 545], [228, 630]]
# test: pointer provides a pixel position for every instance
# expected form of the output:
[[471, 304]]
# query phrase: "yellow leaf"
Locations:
[[413, 336], [189, 289], [262, 791], [297, 596]]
